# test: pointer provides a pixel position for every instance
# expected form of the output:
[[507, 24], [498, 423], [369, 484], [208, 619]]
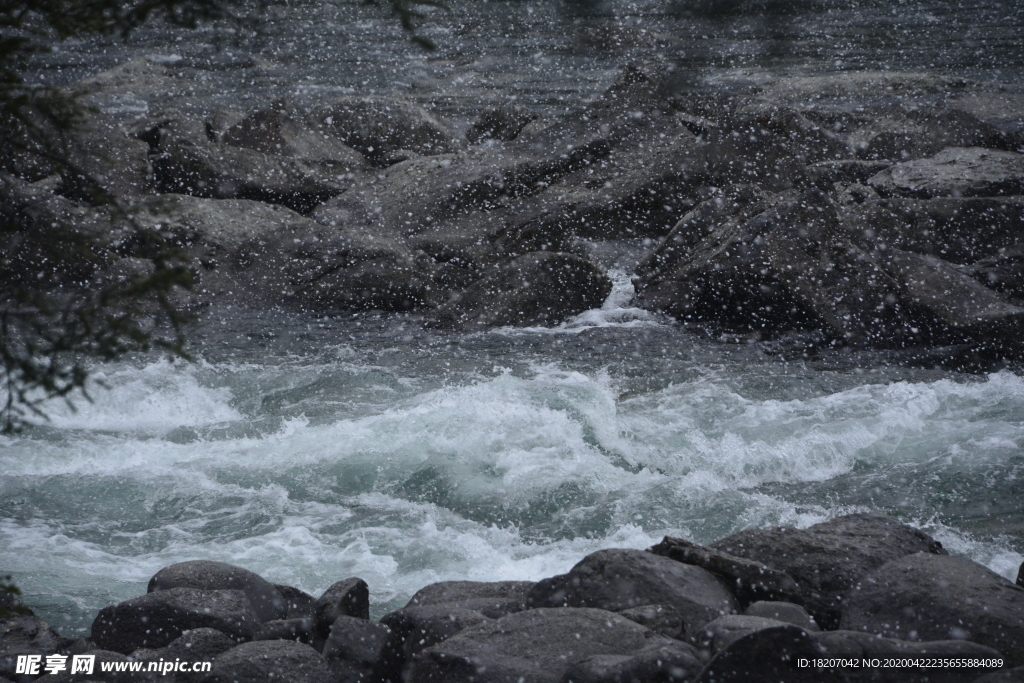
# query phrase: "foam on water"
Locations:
[[506, 475]]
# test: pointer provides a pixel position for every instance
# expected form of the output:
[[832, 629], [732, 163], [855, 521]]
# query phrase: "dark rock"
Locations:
[[785, 612], [663, 619], [717, 635], [493, 600], [542, 288], [349, 597], [11, 605], [1003, 272], [961, 306], [416, 628], [207, 575], [537, 645], [155, 619], [930, 597], [270, 661], [955, 172], [299, 629], [384, 128], [664, 664], [825, 174], [958, 230], [1020, 576], [750, 581], [299, 602], [355, 648], [24, 635], [770, 655], [500, 123], [618, 579], [903, 134], [279, 130], [827, 560], [769, 145]]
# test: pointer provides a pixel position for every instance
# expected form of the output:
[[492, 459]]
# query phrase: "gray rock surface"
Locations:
[[619, 579], [270, 661], [663, 619], [155, 619], [541, 288], [930, 597], [299, 629], [955, 172], [827, 560], [493, 600], [782, 611], [538, 646], [299, 603], [98, 674], [349, 597], [665, 664], [415, 628], [207, 575], [719, 634], [355, 647], [385, 129], [750, 581]]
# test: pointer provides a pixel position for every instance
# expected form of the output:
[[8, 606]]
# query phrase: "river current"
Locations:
[[312, 449]]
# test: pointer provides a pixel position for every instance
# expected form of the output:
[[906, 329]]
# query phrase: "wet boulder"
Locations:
[[501, 123], [280, 130], [207, 575], [349, 598], [413, 629], [540, 288], [902, 133], [931, 597], [1003, 272], [618, 579], [196, 645], [962, 306], [828, 559], [717, 635], [355, 647], [300, 629], [955, 172], [25, 635], [674, 663], [98, 675], [750, 581], [537, 645], [155, 619], [298, 602], [270, 661], [385, 129], [785, 612], [493, 600], [663, 619]]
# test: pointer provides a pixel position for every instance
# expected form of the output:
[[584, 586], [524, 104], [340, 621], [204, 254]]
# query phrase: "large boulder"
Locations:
[[750, 581], [955, 172], [675, 663], [25, 635], [785, 612], [348, 597], [155, 619], [618, 579], [98, 675], [719, 634], [280, 130], [208, 575], [299, 602], [828, 559], [386, 129], [931, 597], [541, 288], [492, 599], [538, 646], [270, 661], [912, 133], [416, 628], [355, 648]]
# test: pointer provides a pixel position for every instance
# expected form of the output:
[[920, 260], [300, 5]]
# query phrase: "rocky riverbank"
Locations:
[[741, 609], [877, 209]]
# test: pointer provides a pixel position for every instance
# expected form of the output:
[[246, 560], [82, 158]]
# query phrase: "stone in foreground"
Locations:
[[207, 575], [270, 661]]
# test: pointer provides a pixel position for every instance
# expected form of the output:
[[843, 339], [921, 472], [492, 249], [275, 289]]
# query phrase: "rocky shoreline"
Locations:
[[877, 210], [741, 609]]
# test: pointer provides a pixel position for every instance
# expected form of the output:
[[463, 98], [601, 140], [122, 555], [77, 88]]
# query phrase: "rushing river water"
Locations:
[[310, 450]]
